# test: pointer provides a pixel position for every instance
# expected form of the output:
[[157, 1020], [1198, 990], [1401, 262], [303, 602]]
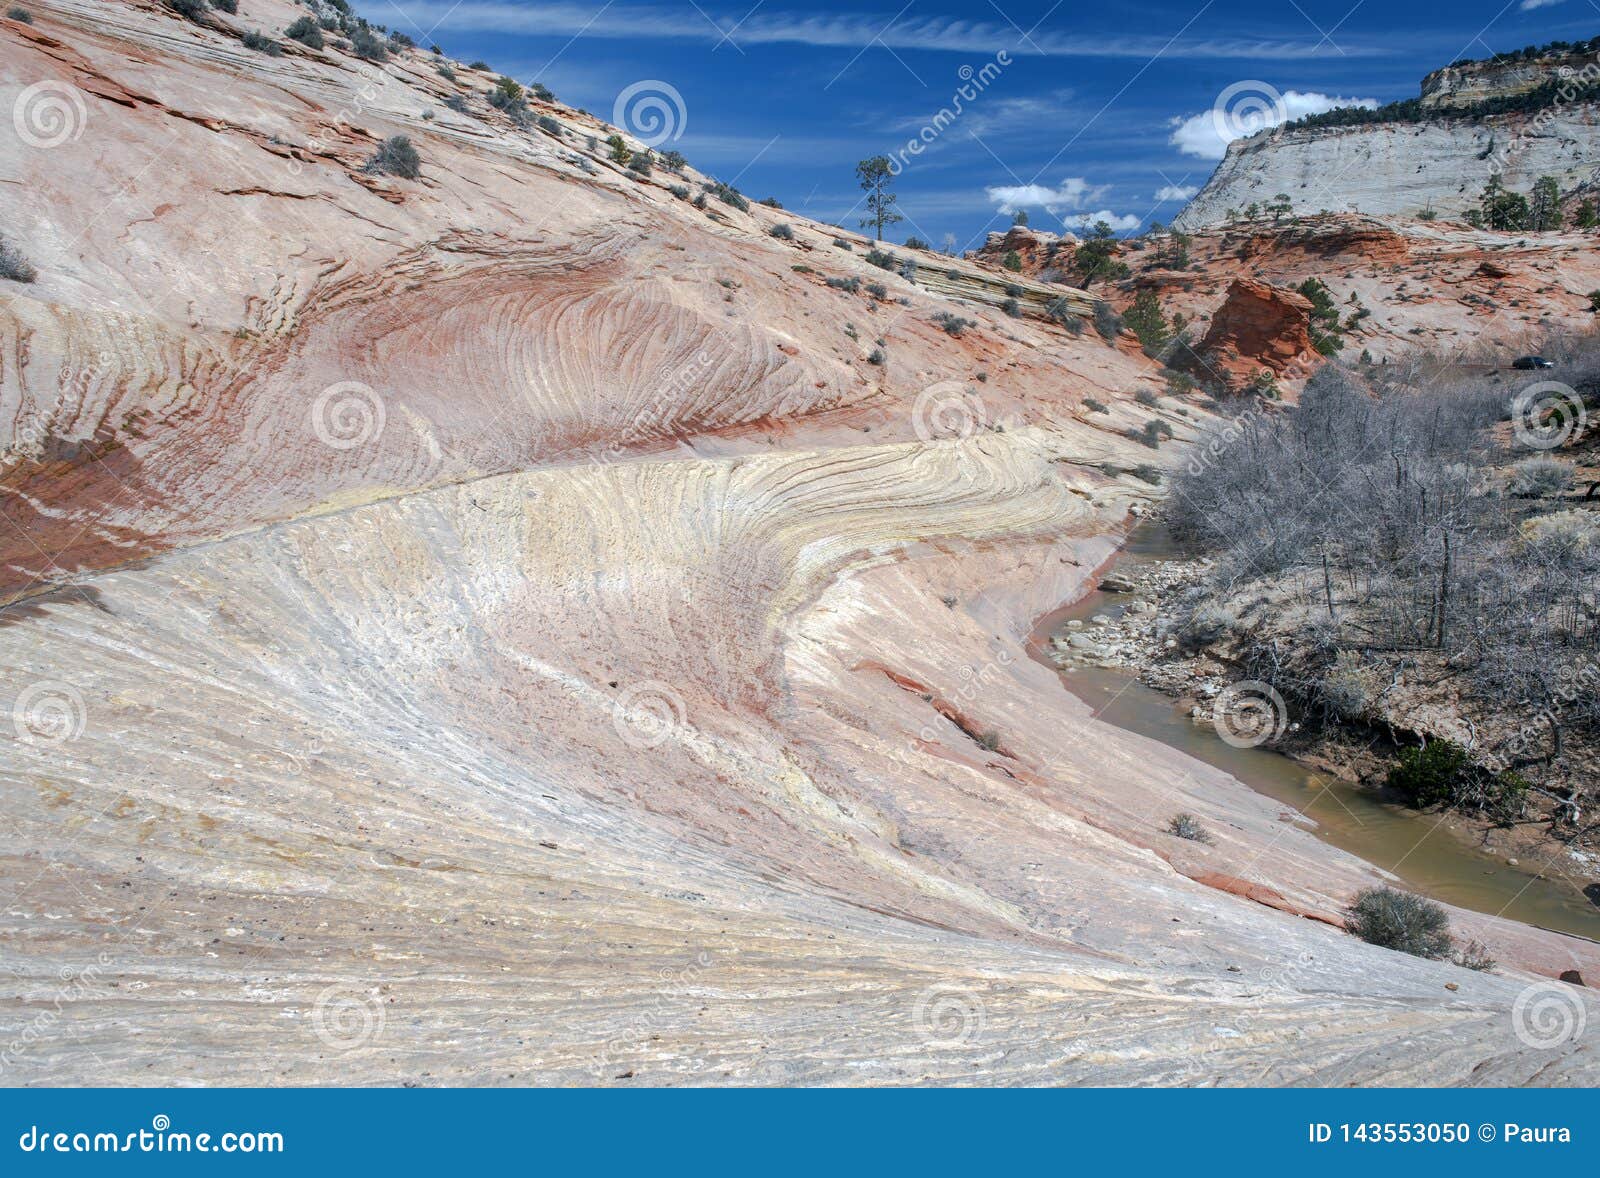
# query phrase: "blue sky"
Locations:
[[1084, 109]]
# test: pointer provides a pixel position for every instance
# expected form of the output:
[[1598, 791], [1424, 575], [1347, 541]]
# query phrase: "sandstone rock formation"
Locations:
[[1040, 254], [507, 627], [1397, 168], [1258, 327]]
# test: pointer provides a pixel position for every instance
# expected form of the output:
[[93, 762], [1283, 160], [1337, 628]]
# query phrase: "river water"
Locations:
[[1409, 843]]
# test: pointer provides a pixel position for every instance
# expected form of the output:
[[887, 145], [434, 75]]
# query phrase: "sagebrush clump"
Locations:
[[1398, 920], [14, 264], [396, 157]]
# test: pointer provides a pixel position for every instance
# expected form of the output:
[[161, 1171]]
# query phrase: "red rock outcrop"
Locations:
[[1042, 255], [1257, 327]]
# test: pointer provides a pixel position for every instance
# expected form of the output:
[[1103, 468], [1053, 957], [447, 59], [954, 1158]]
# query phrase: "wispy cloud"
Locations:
[[843, 30], [1207, 135], [1172, 192], [1530, 5], [1119, 222]]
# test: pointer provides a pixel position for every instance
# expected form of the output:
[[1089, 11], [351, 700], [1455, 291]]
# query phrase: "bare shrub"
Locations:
[[1540, 477], [396, 157]]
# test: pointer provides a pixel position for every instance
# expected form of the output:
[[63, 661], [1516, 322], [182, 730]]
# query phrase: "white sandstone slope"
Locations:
[[631, 688]]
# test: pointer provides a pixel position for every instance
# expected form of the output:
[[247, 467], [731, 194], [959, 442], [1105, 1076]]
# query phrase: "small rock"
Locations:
[[1451, 986], [1572, 977], [1511, 862]]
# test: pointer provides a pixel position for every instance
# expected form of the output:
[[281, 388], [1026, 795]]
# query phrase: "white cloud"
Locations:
[[1176, 192], [1530, 5], [1208, 134], [1084, 220], [1072, 193]]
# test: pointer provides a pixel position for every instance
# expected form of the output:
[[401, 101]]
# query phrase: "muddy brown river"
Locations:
[[1409, 843]]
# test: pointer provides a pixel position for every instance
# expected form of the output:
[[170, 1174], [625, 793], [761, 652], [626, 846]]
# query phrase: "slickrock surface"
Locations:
[[629, 682]]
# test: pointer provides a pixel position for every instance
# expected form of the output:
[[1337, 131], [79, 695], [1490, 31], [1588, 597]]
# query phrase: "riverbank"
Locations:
[[1120, 649]]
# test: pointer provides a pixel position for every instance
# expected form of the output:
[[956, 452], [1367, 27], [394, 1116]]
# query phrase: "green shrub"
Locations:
[[1398, 920], [1012, 308], [731, 196], [480, 65], [231, 7], [782, 232], [916, 243], [851, 284], [844, 245], [396, 157], [1012, 261], [1187, 826], [1147, 398], [1147, 473], [882, 260], [673, 161], [953, 324], [1539, 477], [549, 126], [771, 202], [261, 43], [193, 9], [458, 104], [14, 264], [680, 191], [1107, 322], [20, 14], [445, 72], [877, 290], [1094, 406], [1013, 291], [878, 356], [642, 163], [306, 31], [1429, 774], [367, 45]]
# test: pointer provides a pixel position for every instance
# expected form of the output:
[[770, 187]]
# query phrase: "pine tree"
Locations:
[[875, 175]]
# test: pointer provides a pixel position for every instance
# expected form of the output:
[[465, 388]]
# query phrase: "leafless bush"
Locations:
[[1540, 477]]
